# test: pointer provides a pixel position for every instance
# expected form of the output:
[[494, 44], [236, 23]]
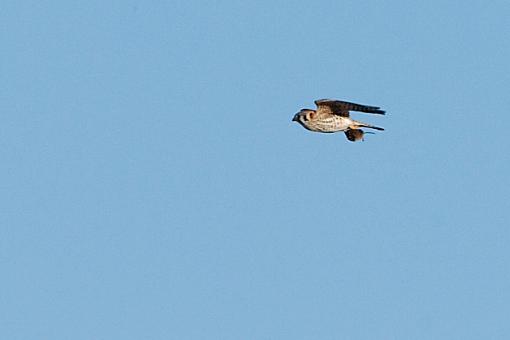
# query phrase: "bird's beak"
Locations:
[[295, 119]]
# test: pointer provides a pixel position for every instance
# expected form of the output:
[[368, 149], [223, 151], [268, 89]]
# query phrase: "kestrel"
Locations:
[[333, 116]]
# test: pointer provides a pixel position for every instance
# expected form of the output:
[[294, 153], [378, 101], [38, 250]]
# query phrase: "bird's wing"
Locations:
[[341, 108], [354, 134]]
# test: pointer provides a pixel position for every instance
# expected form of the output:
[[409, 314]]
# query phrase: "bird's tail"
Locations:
[[360, 125]]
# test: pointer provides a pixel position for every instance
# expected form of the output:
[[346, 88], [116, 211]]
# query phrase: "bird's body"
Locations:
[[329, 124], [333, 116]]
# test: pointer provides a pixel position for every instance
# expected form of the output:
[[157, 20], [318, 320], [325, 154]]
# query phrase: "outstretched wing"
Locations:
[[341, 108]]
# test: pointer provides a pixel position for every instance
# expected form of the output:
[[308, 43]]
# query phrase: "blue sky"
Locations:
[[154, 186]]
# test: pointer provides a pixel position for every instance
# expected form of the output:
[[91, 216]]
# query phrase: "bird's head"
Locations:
[[303, 116]]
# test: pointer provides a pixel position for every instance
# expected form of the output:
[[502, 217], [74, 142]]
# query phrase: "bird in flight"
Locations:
[[333, 116]]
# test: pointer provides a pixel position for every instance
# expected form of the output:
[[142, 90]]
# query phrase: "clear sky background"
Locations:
[[154, 186]]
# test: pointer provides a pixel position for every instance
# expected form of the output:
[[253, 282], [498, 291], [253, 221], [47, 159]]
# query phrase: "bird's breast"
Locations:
[[329, 124]]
